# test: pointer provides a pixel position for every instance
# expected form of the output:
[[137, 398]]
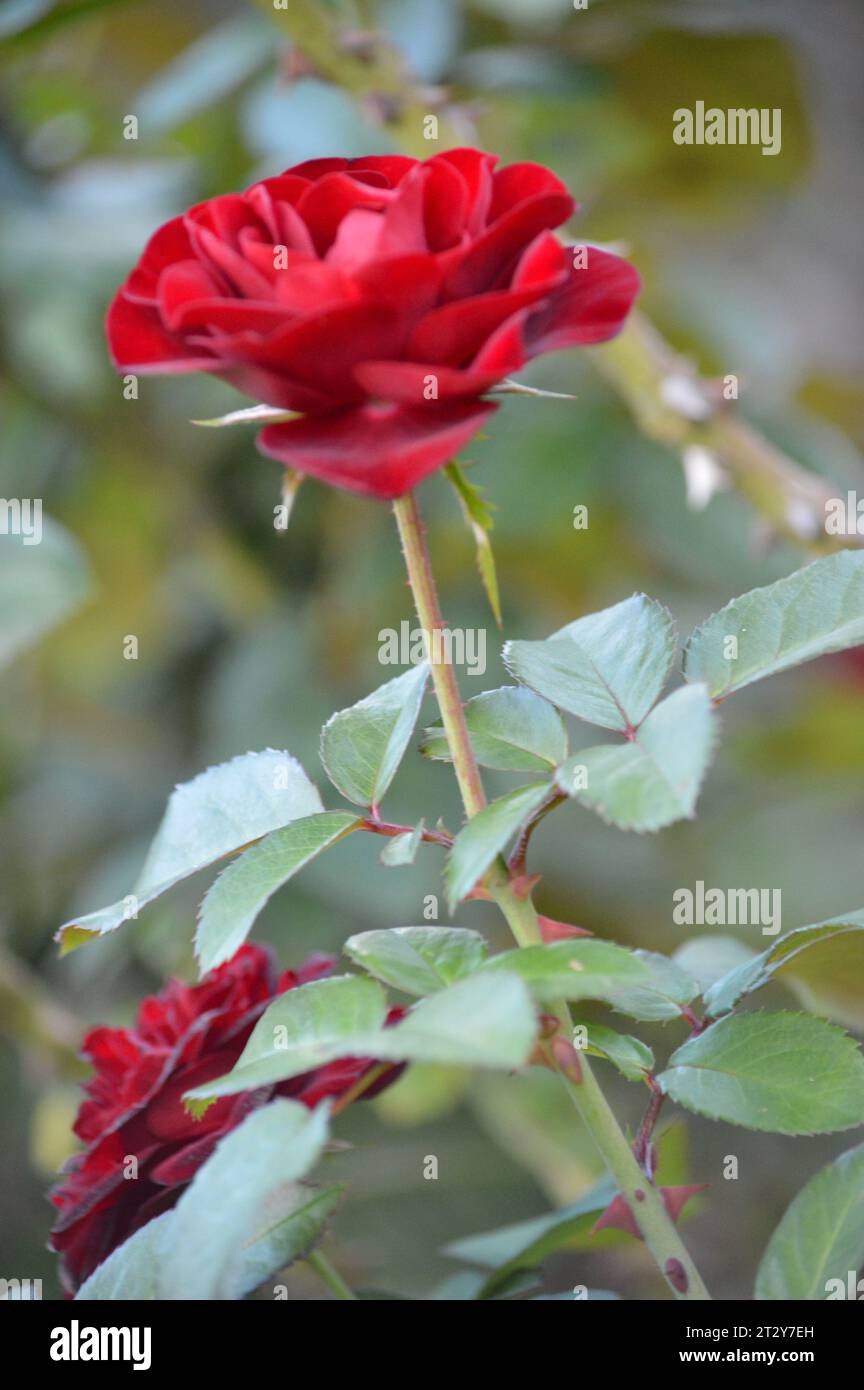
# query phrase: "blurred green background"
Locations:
[[249, 638]]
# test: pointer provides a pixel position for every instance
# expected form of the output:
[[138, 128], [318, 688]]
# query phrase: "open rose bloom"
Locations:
[[142, 1145], [380, 298]]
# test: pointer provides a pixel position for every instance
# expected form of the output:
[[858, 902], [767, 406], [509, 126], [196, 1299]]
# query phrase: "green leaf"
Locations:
[[304, 1028], [655, 779], [486, 835], [242, 890], [641, 984], [823, 964], [297, 1226], [479, 518], [418, 960], [826, 971], [526, 1244], [233, 1194], [709, 958], [512, 730], [787, 1073], [362, 747], [217, 813], [243, 1216], [40, 584], [402, 849], [131, 1272], [479, 1022], [630, 1055], [819, 609], [670, 990], [821, 1235], [607, 668]]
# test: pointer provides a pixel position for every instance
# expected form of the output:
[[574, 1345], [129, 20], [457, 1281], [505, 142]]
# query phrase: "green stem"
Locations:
[[654, 1222], [330, 1276], [422, 581]]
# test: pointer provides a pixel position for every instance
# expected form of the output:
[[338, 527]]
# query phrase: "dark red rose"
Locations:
[[184, 1036], [379, 297]]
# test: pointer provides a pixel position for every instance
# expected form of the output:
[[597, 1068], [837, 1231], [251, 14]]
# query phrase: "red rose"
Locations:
[[184, 1037], [380, 297]]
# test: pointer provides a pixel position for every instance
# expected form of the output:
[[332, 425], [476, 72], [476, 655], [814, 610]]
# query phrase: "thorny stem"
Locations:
[[640, 365], [516, 862], [654, 1222], [646, 1129], [429, 837]]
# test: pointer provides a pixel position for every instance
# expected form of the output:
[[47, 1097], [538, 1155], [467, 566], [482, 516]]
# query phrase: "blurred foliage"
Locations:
[[249, 638]]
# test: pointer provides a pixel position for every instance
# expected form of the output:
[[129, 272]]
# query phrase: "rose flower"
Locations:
[[184, 1036], [380, 298]]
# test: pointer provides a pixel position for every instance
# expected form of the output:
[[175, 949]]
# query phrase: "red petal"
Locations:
[[476, 167], [381, 451], [227, 216], [407, 382], [516, 183], [589, 308], [446, 205], [169, 244], [317, 168], [410, 282], [492, 253], [321, 352], [139, 343], [456, 332], [242, 277], [274, 388], [313, 288], [404, 223], [357, 240], [394, 167], [326, 203], [186, 285], [504, 352], [545, 262]]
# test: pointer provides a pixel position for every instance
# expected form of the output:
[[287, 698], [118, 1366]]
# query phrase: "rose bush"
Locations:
[[184, 1036], [380, 297]]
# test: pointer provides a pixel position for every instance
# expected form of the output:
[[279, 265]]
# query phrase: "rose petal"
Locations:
[[380, 451], [139, 343], [590, 307], [490, 255], [454, 333], [410, 383]]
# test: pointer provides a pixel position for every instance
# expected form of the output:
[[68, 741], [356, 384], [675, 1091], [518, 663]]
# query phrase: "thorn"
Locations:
[[618, 1215], [550, 930], [677, 1275], [522, 884], [567, 1060]]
